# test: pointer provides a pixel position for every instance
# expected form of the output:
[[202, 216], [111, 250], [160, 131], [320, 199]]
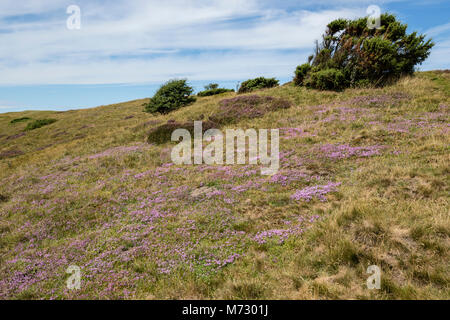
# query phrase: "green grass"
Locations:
[[88, 190]]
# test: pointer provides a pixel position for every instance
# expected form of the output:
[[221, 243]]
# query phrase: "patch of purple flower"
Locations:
[[345, 151], [319, 191], [292, 133]]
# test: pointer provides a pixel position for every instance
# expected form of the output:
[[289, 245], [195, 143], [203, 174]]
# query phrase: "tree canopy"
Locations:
[[353, 54]]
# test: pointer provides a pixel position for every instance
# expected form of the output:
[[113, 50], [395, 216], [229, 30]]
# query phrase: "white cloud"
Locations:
[[439, 57], [224, 66], [438, 30], [14, 7], [139, 41], [439, 54]]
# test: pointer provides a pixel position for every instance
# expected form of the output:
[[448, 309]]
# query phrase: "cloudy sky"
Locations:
[[126, 48]]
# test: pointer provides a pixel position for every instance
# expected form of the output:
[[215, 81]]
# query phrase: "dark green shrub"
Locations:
[[20, 120], [363, 56], [300, 73], [363, 83], [211, 86], [212, 92], [258, 83], [171, 96], [163, 133], [327, 79], [36, 124]]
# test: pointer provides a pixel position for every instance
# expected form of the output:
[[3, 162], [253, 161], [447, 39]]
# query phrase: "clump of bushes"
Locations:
[[211, 86], [246, 107], [327, 79], [230, 111], [213, 89], [300, 74], [36, 124], [171, 96], [351, 54], [163, 133], [213, 92], [20, 120], [258, 83]]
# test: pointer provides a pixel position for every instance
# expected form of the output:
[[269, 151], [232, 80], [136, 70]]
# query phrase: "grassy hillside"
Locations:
[[364, 180]]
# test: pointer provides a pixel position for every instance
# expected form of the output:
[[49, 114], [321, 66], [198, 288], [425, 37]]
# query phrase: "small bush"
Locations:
[[246, 107], [328, 79], [163, 133], [20, 120], [39, 124], [171, 96], [300, 73], [258, 83], [212, 92], [211, 86]]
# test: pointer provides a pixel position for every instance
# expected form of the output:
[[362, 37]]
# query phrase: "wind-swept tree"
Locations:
[[171, 96], [353, 54]]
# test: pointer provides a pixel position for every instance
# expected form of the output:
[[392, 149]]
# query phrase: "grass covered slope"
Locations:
[[364, 180]]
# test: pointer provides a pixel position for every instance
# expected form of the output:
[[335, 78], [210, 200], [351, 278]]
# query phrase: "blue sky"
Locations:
[[126, 48]]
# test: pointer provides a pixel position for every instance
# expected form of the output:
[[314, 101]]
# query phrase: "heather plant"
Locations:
[[163, 133], [352, 54], [39, 124], [258, 83], [247, 107], [141, 227], [319, 191], [230, 111], [171, 96]]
